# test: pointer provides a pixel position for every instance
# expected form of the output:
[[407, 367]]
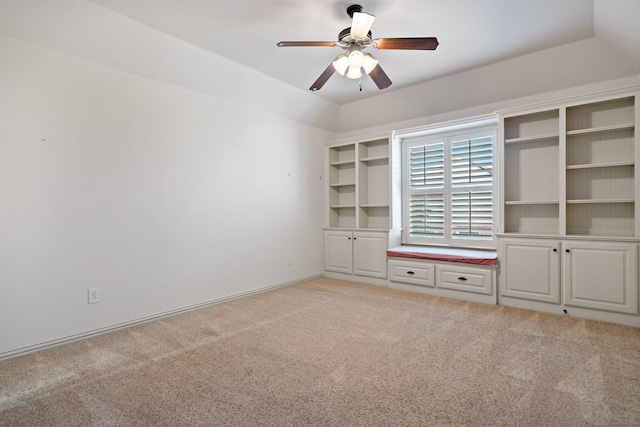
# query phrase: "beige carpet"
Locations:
[[328, 352]]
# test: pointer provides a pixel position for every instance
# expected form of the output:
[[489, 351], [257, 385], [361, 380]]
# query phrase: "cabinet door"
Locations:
[[601, 275], [530, 269], [338, 251], [370, 254]]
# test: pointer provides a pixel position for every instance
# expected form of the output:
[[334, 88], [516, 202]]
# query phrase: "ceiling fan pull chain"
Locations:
[[360, 84]]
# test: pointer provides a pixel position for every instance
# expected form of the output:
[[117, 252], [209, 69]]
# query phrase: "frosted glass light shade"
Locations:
[[341, 63], [361, 24], [356, 59], [354, 73], [369, 63]]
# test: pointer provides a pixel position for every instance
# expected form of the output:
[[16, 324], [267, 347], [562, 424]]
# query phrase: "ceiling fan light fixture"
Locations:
[[341, 63], [369, 63]]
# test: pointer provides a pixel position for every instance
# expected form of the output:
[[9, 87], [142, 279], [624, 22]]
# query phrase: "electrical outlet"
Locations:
[[94, 295]]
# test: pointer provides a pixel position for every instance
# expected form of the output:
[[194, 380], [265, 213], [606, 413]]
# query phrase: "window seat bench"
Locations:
[[454, 273], [466, 256]]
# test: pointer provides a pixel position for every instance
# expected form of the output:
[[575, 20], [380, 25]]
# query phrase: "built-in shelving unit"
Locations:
[[531, 156], [359, 184], [360, 222], [373, 180], [571, 170], [569, 230], [600, 168], [342, 186]]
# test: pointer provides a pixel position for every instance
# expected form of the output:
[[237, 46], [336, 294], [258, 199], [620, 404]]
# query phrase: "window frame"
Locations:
[[449, 135]]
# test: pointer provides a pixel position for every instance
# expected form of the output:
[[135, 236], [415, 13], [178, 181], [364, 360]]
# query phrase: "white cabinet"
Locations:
[[530, 269], [447, 279], [338, 251], [360, 222], [456, 277], [601, 276], [413, 272], [354, 252], [586, 274]]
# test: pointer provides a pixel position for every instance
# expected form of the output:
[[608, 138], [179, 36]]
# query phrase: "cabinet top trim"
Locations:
[[570, 101], [565, 237], [363, 138]]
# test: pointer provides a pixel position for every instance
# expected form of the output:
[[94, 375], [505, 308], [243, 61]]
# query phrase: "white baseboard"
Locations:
[[89, 334]]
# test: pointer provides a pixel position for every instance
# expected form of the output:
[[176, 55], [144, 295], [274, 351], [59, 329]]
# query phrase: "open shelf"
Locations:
[[533, 138], [342, 154], [359, 184], [600, 165], [599, 116], [572, 178], [601, 218], [601, 183], [532, 218], [532, 169], [531, 127], [531, 202], [600, 129]]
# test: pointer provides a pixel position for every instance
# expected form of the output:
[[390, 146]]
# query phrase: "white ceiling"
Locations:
[[471, 33]]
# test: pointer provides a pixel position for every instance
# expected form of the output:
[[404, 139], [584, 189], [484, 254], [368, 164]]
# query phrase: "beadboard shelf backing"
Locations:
[[359, 184], [571, 170]]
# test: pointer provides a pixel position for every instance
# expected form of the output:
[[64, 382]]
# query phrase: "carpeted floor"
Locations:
[[327, 352]]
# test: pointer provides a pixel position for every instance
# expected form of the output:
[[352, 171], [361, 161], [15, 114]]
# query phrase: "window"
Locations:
[[449, 187]]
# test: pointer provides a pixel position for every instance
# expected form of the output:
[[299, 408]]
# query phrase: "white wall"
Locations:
[[160, 196]]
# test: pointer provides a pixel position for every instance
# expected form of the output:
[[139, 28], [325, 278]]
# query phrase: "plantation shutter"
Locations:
[[472, 213], [426, 186], [426, 214], [449, 188], [472, 170], [472, 161]]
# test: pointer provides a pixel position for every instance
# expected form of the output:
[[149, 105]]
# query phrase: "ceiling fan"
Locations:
[[354, 40]]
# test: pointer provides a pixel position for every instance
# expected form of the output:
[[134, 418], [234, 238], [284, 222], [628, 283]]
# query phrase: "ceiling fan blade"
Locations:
[[298, 44], [407, 43], [361, 24], [380, 78], [326, 74]]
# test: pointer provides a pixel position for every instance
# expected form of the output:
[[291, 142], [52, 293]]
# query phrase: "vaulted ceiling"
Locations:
[[471, 33]]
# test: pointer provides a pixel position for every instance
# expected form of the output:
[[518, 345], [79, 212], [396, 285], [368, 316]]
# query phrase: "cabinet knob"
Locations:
[[463, 279], [349, 238], [354, 238], [411, 273], [566, 250], [555, 250]]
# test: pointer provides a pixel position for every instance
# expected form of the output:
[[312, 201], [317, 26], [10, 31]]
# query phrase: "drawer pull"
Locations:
[[411, 273], [464, 279]]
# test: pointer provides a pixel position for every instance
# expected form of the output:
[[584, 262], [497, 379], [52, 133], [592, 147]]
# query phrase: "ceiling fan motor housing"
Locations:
[[353, 9], [346, 37]]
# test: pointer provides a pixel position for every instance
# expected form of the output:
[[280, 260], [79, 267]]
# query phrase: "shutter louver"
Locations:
[[426, 215], [472, 214], [472, 161], [427, 166]]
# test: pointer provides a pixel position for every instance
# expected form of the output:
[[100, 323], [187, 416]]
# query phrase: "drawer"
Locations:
[[416, 273], [467, 279]]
